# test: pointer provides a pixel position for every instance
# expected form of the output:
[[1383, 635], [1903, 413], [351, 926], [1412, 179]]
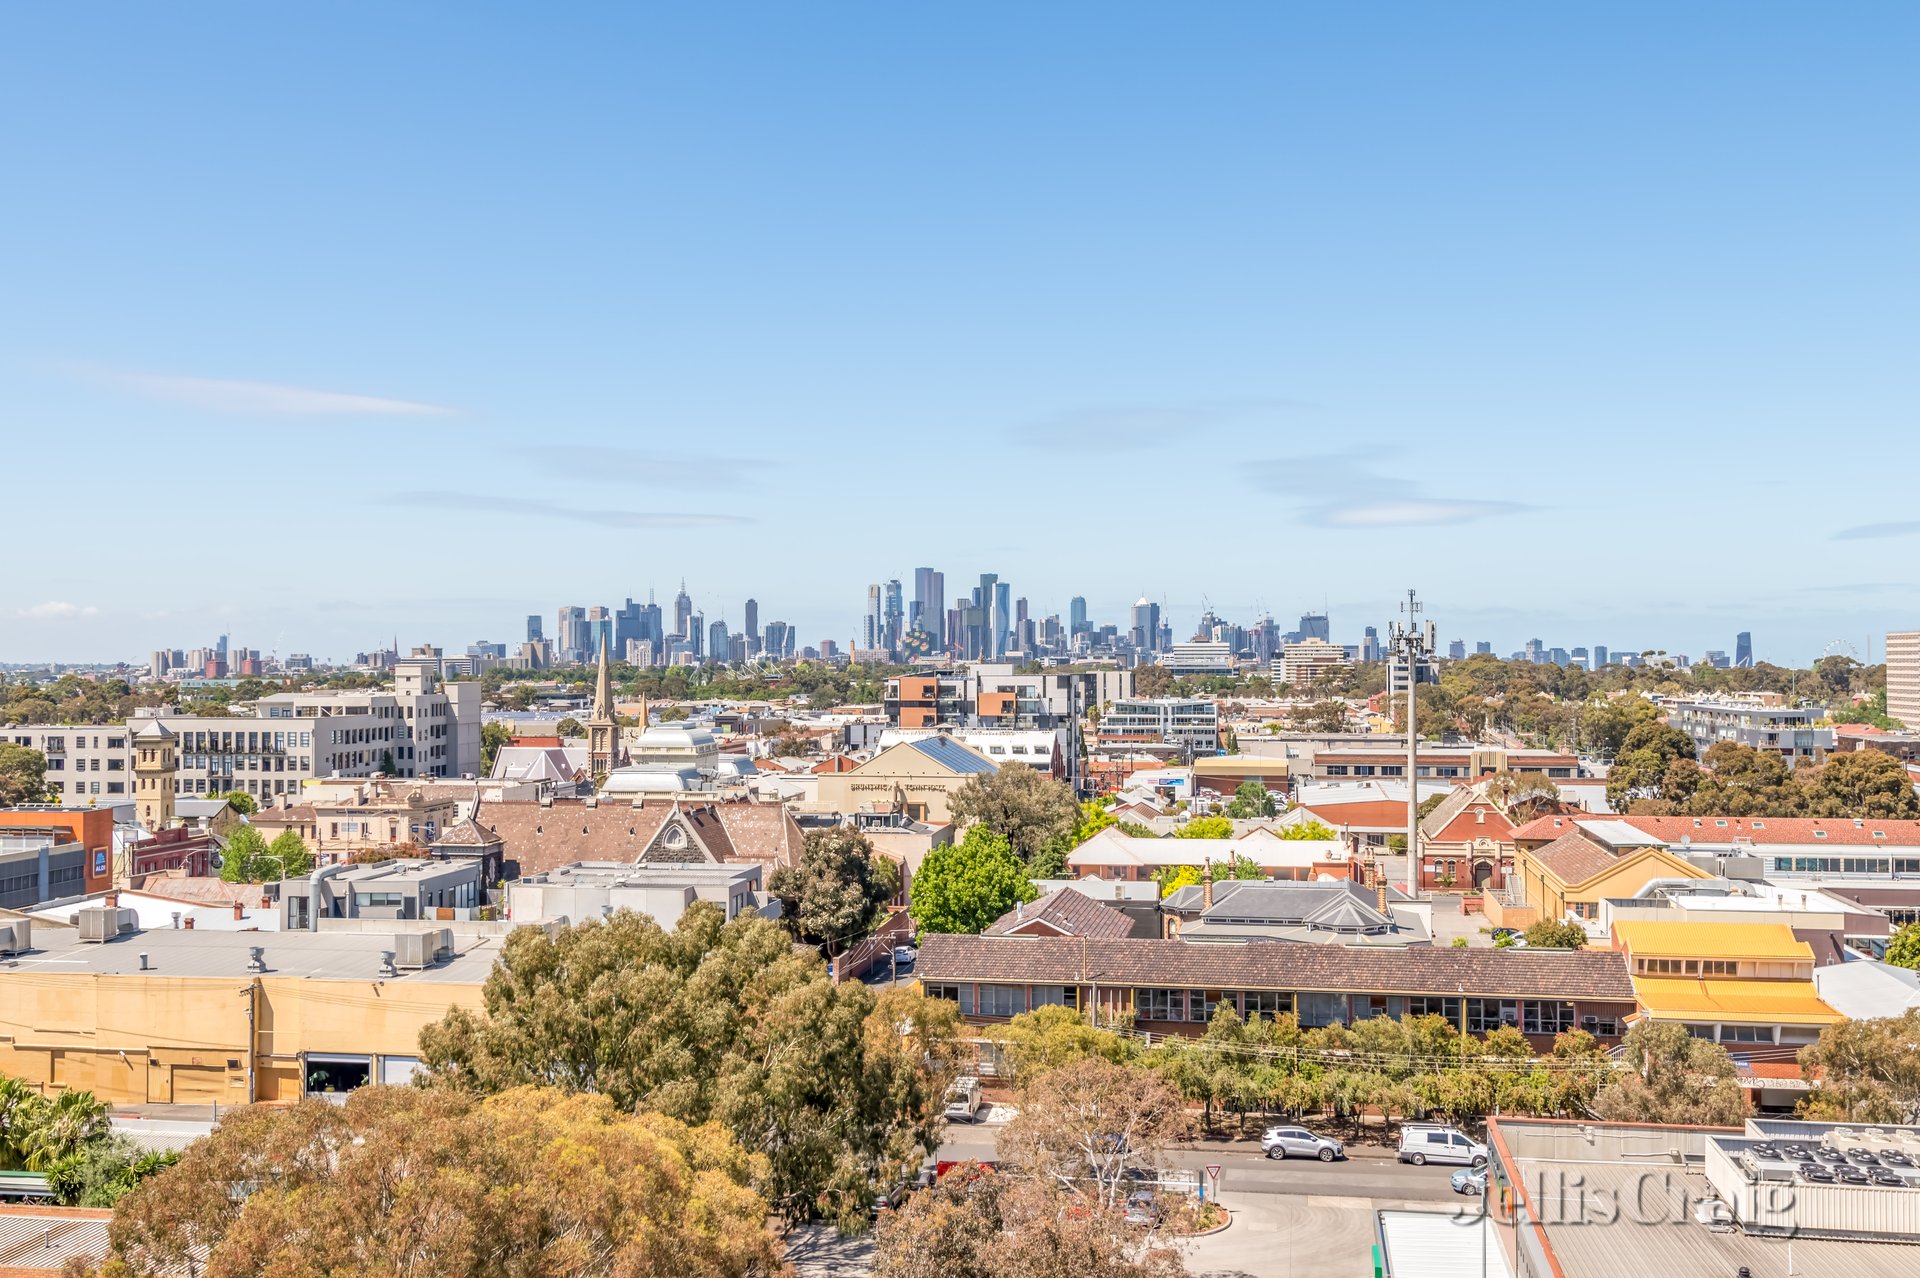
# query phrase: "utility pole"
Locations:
[[1412, 643]]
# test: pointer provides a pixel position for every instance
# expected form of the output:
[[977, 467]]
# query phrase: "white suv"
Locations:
[[1422, 1143], [1298, 1142]]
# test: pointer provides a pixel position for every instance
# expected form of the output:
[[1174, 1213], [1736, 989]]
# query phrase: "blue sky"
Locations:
[[1594, 326]]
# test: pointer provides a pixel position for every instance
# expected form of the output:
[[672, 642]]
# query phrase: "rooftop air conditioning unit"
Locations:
[[414, 951], [16, 937], [101, 924]]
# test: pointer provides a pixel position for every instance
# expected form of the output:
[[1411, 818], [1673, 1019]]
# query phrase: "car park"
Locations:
[[1422, 1143], [1298, 1142]]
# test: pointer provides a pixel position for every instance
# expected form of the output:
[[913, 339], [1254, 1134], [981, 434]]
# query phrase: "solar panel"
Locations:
[[950, 754]]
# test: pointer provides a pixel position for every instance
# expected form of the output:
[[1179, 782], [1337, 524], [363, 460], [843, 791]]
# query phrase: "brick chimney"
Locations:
[[1380, 896], [239, 911], [187, 922], [1206, 886], [110, 900]]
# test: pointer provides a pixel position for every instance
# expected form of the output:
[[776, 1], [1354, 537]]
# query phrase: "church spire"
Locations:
[[603, 685]]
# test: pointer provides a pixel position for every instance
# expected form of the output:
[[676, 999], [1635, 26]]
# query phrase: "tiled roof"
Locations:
[[1511, 973], [466, 834], [1674, 830], [1067, 911], [545, 836], [1366, 814], [1573, 858]]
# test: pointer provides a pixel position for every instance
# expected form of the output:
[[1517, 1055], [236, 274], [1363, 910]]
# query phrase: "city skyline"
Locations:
[[1375, 300]]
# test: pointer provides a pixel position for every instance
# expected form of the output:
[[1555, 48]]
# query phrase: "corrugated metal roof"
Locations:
[[1647, 937], [1434, 1244], [48, 1241], [1733, 999]]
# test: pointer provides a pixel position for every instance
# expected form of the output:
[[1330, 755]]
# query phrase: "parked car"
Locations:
[[1298, 1142], [1143, 1208], [888, 1199], [1470, 1181], [1422, 1143], [904, 955], [963, 1100]]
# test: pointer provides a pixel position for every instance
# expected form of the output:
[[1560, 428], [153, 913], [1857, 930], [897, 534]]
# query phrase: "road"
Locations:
[[1367, 1173]]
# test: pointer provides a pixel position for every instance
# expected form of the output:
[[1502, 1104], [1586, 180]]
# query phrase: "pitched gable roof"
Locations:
[[1065, 913], [1573, 858]]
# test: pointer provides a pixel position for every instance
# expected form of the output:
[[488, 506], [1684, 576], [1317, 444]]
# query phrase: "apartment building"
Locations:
[[1305, 663], [91, 762], [1903, 677], [1199, 657], [1447, 763], [1188, 722], [1788, 731], [993, 696]]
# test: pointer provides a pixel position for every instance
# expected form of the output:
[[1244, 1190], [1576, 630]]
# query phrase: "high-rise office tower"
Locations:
[[873, 622], [533, 628], [753, 624], [1370, 649], [626, 626], [1314, 625], [572, 636], [1456, 651], [893, 616], [1145, 624], [779, 640], [719, 646], [683, 613], [1484, 648], [696, 634], [1743, 650], [930, 604], [1903, 676], [1076, 614], [1600, 655], [1002, 618]]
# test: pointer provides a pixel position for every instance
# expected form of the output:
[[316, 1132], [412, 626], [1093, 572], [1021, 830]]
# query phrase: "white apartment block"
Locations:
[[1903, 677], [419, 728], [84, 762], [1181, 721]]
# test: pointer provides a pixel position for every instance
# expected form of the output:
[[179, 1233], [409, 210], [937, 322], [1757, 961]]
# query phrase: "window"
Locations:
[[1601, 1026], [1547, 1018], [1265, 1003], [1429, 1005], [1719, 967], [1161, 1005], [1002, 1000], [1487, 1014], [378, 899], [1746, 1033], [1056, 996], [949, 992]]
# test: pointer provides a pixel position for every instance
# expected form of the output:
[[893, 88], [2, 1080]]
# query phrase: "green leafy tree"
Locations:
[[716, 1021], [1206, 827], [493, 736], [837, 891], [23, 774], [571, 727], [1020, 805], [1867, 784], [1251, 800], [286, 857], [1903, 950], [1152, 680], [1049, 1037], [1672, 1078], [62, 1128], [1523, 795], [241, 802], [963, 887], [104, 1171], [1645, 754], [1869, 1070], [238, 860], [20, 1107], [1314, 829], [1556, 934], [1091, 1120], [409, 1180], [1172, 878]]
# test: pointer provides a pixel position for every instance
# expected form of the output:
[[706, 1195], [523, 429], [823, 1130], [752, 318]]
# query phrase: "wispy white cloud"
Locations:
[[610, 463], [484, 504], [1343, 490], [58, 610], [222, 395], [1864, 532], [1118, 426]]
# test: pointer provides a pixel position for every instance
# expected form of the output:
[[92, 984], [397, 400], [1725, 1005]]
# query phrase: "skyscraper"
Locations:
[[683, 614], [1314, 625], [599, 630], [753, 624], [873, 624], [696, 637], [1370, 649], [893, 617], [930, 604], [626, 626], [718, 646], [1002, 618], [1743, 650], [533, 627], [1076, 614], [1456, 651], [572, 633], [1600, 655]]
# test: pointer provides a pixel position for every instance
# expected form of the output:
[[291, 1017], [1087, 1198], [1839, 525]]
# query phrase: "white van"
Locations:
[[1422, 1143], [963, 1099]]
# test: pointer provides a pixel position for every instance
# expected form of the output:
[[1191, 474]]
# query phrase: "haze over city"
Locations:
[[423, 320]]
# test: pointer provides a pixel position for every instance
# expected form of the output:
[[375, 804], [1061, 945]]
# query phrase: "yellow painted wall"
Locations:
[[144, 1039]]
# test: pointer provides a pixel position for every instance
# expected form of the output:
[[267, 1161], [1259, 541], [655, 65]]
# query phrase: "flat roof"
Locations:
[[1441, 1244], [195, 952]]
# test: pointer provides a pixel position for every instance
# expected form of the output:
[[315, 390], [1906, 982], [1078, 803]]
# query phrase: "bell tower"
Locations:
[[154, 766]]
